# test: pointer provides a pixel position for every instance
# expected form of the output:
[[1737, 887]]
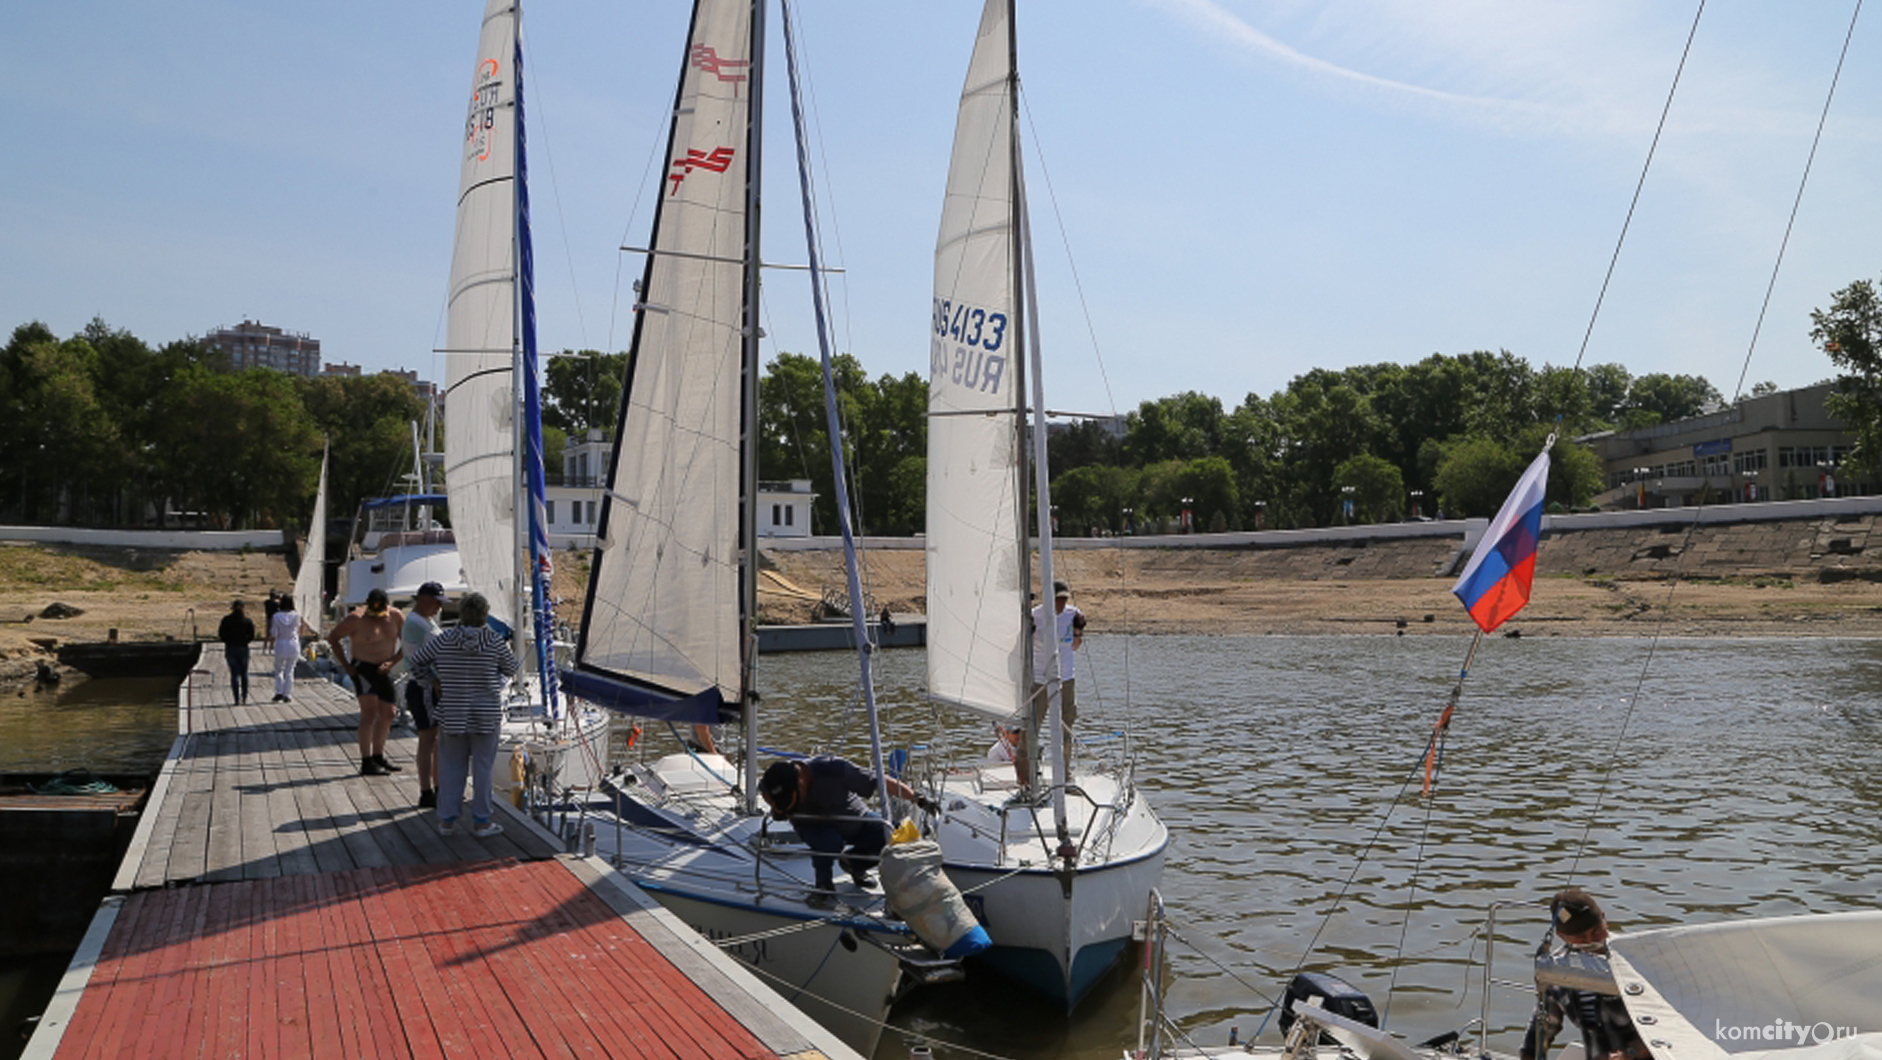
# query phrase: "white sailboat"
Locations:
[[1057, 884], [669, 630], [493, 429]]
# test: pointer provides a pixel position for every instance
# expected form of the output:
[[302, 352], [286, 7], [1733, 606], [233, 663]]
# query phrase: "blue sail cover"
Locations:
[[542, 564]]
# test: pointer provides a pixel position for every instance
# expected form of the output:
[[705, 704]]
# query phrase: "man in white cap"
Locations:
[[1069, 624]]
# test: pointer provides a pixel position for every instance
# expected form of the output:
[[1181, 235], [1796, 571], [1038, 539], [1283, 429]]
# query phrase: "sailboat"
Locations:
[[493, 412], [1057, 884], [669, 627]]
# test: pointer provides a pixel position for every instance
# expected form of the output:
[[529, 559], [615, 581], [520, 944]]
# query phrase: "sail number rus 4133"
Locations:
[[966, 338]]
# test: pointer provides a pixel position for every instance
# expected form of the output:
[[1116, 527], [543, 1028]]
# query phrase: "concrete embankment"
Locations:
[[1780, 569]]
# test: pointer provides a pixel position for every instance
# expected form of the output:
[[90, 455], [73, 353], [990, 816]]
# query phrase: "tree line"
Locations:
[[1449, 432], [101, 429]]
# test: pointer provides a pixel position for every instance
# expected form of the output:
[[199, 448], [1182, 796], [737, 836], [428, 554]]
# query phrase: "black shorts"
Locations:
[[370, 680], [418, 702]]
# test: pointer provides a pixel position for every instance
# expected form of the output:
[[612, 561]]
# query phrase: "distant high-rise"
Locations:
[[253, 345]]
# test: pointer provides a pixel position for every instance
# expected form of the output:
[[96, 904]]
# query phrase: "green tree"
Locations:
[[1850, 331], [240, 445], [368, 422], [1083, 444], [61, 446], [1475, 475], [1378, 488], [581, 391], [1185, 426], [1094, 496], [1670, 397], [1607, 391]]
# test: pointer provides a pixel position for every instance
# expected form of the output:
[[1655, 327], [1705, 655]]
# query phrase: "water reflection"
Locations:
[[120, 725], [1744, 783]]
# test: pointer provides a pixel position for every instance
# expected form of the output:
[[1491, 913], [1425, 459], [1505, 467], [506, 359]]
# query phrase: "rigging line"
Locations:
[[1633, 701], [1338, 899], [664, 118], [823, 155], [1809, 161], [1658, 129], [1411, 900], [1223, 968], [540, 117], [1104, 375]]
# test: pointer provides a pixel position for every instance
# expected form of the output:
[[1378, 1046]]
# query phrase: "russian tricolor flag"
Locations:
[[1496, 583]]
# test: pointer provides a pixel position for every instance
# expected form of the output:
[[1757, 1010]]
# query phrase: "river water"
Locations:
[[1725, 778]]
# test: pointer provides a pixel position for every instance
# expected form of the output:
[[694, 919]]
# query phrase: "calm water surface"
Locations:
[[1746, 781]]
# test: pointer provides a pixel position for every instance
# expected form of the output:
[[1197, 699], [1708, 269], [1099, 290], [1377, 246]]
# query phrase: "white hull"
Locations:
[[400, 570], [574, 751], [1058, 940], [682, 837]]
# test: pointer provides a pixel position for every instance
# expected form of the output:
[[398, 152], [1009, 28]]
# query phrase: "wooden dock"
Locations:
[[276, 903]]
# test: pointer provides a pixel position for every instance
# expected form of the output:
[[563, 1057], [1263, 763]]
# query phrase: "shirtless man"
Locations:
[[376, 649]]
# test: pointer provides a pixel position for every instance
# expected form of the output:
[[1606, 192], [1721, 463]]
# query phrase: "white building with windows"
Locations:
[[784, 508], [572, 499]]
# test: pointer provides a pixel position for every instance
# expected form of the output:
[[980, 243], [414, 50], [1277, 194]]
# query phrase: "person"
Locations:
[[269, 608], [1007, 747], [833, 789], [471, 664], [887, 622], [284, 632], [1606, 1031], [1070, 623], [236, 631], [421, 624], [375, 634]]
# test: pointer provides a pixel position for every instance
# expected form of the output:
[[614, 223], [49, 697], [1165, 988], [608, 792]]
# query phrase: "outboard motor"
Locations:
[[1334, 994]]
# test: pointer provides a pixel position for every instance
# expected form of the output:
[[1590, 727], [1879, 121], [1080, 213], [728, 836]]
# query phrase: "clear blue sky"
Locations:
[[1249, 188]]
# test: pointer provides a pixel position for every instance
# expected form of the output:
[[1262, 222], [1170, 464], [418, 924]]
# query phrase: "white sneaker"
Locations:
[[487, 829], [448, 827]]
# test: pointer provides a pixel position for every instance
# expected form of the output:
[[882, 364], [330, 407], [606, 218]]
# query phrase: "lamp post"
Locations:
[[1751, 485], [1826, 478], [1261, 511], [1186, 527], [1346, 505], [1128, 528], [1418, 504], [1640, 486]]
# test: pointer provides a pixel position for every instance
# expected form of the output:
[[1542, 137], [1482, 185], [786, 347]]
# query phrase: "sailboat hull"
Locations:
[[1053, 933]]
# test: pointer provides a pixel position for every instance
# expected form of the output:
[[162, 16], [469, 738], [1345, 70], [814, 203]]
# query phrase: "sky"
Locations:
[[1226, 193]]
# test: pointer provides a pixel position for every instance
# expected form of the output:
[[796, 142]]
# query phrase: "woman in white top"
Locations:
[[285, 628]]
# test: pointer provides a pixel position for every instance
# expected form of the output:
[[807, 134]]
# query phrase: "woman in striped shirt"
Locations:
[[470, 663]]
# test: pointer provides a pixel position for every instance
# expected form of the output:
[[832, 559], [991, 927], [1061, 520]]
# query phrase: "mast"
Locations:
[[1022, 325], [748, 506], [519, 264]]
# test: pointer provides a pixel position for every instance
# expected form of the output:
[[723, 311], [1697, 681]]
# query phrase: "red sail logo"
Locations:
[[716, 161], [726, 70]]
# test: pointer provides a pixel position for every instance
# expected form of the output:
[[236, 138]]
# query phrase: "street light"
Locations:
[[1187, 527], [1751, 485], [1128, 528], [1261, 510], [1346, 504], [1418, 503], [1640, 486]]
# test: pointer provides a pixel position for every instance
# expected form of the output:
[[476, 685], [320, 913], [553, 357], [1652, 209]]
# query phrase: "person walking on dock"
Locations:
[[284, 630], [236, 632], [421, 697], [374, 634], [472, 665]]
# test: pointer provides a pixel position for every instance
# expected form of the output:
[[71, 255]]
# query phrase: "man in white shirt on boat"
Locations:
[[1070, 626]]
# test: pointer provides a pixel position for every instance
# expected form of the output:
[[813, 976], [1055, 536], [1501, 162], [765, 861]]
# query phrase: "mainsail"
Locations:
[[310, 582], [663, 632], [976, 503], [481, 325]]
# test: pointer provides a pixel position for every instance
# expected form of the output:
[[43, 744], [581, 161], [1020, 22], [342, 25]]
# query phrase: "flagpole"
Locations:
[[1444, 719]]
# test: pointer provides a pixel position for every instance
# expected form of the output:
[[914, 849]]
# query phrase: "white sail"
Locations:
[[664, 599], [479, 401], [310, 582], [976, 576]]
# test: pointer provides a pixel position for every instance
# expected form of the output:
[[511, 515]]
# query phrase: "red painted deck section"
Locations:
[[484, 959]]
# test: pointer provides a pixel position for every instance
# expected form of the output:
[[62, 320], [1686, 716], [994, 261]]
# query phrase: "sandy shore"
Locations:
[[1590, 587]]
